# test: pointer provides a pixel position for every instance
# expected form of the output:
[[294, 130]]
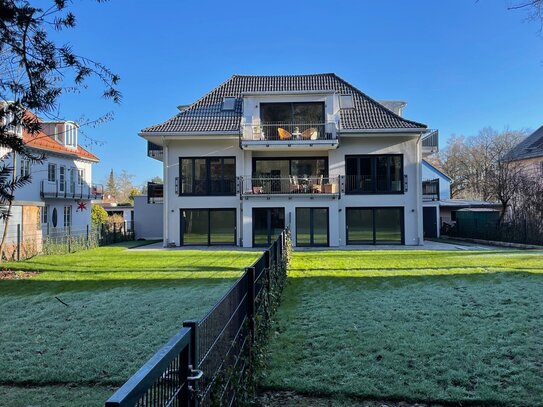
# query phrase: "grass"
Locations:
[[122, 306], [459, 327]]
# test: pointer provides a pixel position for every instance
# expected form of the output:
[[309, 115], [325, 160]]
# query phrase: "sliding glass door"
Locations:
[[375, 226], [207, 227], [267, 225], [312, 227]]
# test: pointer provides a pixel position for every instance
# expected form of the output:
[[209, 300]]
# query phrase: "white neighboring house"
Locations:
[[61, 186], [312, 152]]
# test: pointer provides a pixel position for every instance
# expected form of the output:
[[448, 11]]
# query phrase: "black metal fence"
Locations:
[[209, 362]]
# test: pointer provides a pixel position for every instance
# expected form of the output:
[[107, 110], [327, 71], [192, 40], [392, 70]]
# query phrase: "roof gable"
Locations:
[[530, 147], [207, 115]]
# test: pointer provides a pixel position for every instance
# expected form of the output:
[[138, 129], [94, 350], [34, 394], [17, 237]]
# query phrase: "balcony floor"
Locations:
[[278, 145]]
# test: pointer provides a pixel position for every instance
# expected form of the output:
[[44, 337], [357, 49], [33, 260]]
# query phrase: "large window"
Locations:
[[375, 226], [267, 225], [292, 113], [283, 168], [52, 172], [312, 227], [207, 176], [374, 174], [208, 227], [71, 135]]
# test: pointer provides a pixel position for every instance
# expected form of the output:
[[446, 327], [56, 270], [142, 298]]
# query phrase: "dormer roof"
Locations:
[[206, 115]]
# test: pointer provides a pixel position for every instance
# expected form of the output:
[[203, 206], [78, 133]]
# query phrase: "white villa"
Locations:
[[58, 198], [311, 152]]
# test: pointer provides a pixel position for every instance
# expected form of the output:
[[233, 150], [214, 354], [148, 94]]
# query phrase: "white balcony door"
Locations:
[[62, 178], [72, 180]]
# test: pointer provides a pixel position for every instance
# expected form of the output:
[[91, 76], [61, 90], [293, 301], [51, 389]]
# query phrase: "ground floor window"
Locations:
[[312, 228], [208, 227], [267, 225], [375, 226]]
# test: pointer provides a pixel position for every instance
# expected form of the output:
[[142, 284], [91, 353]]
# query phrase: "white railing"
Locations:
[[56, 189], [288, 132]]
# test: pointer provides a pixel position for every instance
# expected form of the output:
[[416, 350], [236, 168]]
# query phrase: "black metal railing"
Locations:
[[155, 151], [209, 362], [155, 192], [430, 190], [71, 190], [430, 141], [206, 186], [289, 185], [281, 131], [367, 184]]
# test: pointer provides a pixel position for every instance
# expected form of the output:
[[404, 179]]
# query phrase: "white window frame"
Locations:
[[71, 135], [81, 176], [53, 172], [45, 214], [25, 166], [68, 216], [62, 178]]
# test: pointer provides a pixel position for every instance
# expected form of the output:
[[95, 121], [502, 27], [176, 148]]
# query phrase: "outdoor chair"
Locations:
[[283, 134], [258, 190], [294, 184], [317, 187], [310, 134]]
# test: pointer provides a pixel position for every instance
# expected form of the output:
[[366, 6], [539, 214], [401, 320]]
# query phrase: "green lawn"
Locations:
[[122, 306], [412, 325]]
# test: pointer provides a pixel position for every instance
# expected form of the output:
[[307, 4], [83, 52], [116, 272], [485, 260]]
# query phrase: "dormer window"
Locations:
[[70, 135], [228, 103]]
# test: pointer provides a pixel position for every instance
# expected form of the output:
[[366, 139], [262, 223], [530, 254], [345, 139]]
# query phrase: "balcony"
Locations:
[[65, 190], [430, 142], [155, 151], [155, 193], [430, 190], [314, 186], [281, 136]]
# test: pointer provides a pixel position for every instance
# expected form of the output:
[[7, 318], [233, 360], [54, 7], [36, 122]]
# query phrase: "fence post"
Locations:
[[18, 241], [193, 359], [251, 301], [87, 235], [69, 240]]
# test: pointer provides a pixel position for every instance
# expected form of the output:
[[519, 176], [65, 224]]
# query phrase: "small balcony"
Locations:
[[155, 193], [430, 190], [66, 190], [281, 136], [155, 151], [430, 142], [314, 186]]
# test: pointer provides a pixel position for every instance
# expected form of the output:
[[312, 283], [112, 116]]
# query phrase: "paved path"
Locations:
[[428, 245]]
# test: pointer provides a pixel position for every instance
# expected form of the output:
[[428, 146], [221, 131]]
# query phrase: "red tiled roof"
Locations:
[[42, 141]]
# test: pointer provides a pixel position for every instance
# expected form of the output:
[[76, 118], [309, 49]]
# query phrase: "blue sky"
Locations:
[[460, 64]]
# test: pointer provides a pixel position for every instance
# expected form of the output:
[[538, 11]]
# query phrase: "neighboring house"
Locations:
[[438, 207], [529, 153], [312, 152], [61, 189]]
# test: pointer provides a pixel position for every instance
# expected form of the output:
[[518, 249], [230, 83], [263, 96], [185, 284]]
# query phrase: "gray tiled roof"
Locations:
[[206, 114], [530, 147]]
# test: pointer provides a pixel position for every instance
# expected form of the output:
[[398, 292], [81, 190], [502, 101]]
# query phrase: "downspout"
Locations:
[[420, 237], [165, 209]]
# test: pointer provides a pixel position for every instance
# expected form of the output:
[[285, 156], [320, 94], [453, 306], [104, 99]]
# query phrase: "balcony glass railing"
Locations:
[[66, 190], [290, 185], [289, 132]]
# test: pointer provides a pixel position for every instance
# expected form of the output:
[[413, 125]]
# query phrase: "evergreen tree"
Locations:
[[111, 185]]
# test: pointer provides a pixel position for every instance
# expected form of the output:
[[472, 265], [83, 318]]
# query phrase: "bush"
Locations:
[[98, 215]]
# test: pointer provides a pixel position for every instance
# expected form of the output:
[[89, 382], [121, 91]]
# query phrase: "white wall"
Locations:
[[148, 219], [411, 200]]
